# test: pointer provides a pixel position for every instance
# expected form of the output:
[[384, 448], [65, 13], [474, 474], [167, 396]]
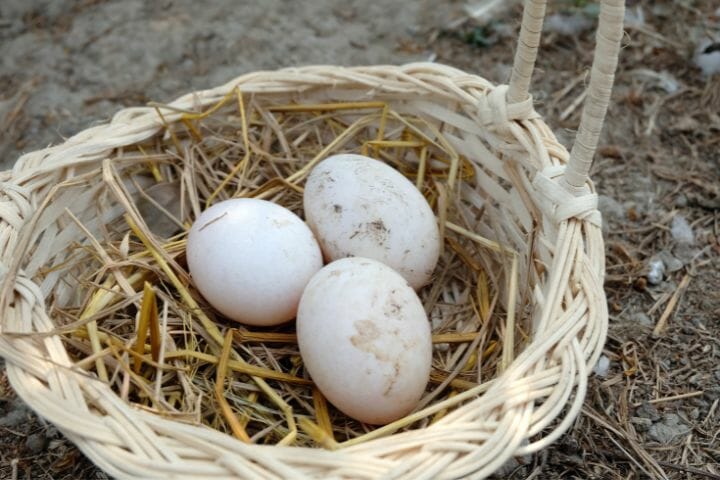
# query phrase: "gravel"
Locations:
[[667, 431], [16, 414]]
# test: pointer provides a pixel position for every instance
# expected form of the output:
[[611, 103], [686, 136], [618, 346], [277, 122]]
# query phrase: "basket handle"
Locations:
[[607, 49]]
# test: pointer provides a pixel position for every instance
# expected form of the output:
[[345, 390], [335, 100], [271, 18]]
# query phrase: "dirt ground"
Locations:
[[652, 408]]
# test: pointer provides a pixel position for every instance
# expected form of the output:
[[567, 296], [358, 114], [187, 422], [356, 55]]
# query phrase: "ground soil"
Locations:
[[653, 412]]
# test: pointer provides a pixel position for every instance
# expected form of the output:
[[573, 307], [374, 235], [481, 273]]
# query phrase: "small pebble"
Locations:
[[696, 380], [602, 366], [648, 410], [672, 264], [36, 442], [668, 430], [656, 271], [681, 230], [571, 445], [14, 417], [642, 318], [707, 58]]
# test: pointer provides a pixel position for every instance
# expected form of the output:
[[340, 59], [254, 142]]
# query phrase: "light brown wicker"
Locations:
[[543, 387]]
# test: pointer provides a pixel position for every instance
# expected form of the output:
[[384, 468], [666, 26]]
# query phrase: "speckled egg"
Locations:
[[365, 339], [361, 207]]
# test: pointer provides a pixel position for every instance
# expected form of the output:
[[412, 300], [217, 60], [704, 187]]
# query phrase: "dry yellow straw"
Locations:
[[245, 418], [157, 175], [313, 107], [240, 366], [421, 168], [318, 434], [243, 335], [284, 408], [235, 425], [660, 326], [321, 411], [99, 300], [242, 163], [208, 324], [148, 321]]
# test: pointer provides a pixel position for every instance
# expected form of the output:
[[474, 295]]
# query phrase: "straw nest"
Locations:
[[106, 335]]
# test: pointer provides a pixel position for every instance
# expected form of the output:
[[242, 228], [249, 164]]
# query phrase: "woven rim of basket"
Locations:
[[543, 387]]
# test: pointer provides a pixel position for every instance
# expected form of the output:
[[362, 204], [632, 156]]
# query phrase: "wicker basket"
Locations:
[[551, 221]]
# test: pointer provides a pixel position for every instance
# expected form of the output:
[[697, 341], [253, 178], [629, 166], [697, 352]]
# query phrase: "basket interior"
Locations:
[[498, 241]]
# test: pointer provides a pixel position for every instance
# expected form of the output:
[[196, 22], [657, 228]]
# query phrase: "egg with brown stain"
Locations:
[[361, 207], [365, 339]]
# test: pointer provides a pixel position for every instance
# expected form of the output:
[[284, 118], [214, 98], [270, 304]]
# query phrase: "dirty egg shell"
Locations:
[[361, 207], [365, 339], [251, 260]]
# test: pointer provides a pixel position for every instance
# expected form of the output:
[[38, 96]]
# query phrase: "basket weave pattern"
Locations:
[[537, 201]]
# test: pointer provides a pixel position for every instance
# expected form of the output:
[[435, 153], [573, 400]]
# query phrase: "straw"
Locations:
[[242, 374]]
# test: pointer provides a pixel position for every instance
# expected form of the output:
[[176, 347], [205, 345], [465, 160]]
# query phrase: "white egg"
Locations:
[[361, 207], [252, 259], [365, 339]]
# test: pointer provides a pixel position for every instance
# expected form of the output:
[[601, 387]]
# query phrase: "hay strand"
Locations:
[[237, 428]]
